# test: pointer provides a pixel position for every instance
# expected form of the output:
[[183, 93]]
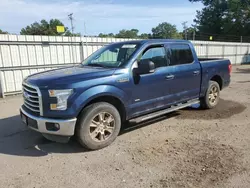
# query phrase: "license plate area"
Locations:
[[24, 118], [28, 121]]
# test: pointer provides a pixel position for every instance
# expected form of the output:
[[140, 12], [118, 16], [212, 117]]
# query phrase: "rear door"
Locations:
[[184, 72]]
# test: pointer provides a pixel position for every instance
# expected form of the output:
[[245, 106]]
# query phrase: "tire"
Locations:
[[95, 124], [209, 102]]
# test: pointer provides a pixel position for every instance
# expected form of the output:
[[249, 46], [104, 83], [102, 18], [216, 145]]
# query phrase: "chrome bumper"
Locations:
[[66, 127]]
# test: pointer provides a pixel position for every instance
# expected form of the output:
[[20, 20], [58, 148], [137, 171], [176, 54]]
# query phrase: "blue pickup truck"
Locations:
[[122, 81]]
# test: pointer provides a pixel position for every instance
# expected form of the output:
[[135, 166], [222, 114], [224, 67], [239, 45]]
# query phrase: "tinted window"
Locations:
[[156, 55], [180, 54]]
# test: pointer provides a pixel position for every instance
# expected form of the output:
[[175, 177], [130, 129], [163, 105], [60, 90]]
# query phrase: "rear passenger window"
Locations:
[[180, 54], [157, 55]]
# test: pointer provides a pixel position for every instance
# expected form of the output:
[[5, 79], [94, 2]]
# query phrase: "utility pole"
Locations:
[[72, 30], [184, 24], [71, 21], [86, 38]]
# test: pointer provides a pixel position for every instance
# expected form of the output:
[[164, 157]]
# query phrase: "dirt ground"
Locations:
[[188, 148]]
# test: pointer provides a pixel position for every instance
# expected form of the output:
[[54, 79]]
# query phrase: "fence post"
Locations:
[[207, 50], [81, 51], [223, 51], [1, 86], [236, 54], [241, 40]]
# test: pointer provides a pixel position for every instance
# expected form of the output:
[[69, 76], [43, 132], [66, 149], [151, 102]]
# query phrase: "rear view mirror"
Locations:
[[145, 67]]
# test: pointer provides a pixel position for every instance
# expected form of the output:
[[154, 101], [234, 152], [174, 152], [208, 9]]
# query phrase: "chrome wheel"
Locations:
[[102, 126], [213, 95]]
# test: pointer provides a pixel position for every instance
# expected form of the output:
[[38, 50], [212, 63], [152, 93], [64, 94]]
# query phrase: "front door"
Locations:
[[148, 89]]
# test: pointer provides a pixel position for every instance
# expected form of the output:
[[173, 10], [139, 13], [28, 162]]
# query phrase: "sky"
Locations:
[[99, 16]]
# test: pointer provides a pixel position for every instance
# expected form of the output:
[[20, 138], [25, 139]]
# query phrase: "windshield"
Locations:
[[111, 56]]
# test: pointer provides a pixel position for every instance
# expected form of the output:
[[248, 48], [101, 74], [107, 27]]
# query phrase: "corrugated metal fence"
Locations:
[[22, 55]]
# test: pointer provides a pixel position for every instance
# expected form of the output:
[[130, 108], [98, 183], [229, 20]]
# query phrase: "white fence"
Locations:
[[22, 55]]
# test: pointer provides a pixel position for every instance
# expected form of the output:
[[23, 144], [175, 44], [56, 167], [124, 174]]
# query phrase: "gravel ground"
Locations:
[[188, 148]]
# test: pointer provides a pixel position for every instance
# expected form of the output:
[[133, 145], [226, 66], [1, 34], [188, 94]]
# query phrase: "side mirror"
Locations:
[[145, 67]]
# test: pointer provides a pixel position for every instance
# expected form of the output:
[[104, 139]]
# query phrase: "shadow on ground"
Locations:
[[17, 139]]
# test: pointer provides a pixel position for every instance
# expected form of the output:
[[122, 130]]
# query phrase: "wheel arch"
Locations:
[[113, 100], [217, 79]]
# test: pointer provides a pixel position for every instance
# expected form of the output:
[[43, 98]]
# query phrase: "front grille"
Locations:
[[32, 99]]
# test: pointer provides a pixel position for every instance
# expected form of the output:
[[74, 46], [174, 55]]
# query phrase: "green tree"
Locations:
[[3, 32], [133, 33], [110, 35], [145, 36], [46, 28], [166, 31], [188, 32], [227, 17]]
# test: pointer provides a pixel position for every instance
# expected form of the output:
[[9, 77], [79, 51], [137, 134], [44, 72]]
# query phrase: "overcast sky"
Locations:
[[100, 16]]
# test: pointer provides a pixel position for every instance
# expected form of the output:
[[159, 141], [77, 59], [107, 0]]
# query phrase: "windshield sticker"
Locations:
[[129, 46]]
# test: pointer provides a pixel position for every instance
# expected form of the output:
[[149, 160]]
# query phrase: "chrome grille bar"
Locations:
[[31, 100], [26, 89], [32, 109], [32, 105]]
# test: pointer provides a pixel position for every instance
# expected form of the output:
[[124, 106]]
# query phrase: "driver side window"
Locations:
[[157, 55]]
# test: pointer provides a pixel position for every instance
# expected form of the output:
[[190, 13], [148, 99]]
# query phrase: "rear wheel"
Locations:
[[212, 96], [98, 125]]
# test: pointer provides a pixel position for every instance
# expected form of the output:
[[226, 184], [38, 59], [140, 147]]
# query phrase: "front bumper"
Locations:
[[66, 127]]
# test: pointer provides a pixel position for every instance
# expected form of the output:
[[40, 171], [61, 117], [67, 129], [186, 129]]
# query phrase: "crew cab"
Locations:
[[122, 81]]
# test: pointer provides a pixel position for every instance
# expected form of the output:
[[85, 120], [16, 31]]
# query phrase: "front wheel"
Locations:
[[98, 125], [212, 96]]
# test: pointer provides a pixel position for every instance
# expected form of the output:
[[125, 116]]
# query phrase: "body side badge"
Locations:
[[123, 80]]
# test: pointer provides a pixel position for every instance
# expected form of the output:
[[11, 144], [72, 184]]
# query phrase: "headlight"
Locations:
[[62, 98]]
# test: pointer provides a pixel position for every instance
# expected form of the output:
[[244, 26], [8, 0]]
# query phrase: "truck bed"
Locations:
[[214, 67]]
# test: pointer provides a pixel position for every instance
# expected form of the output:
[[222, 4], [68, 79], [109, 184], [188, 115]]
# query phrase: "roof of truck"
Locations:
[[149, 41]]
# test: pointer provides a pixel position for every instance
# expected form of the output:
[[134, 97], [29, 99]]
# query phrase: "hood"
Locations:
[[68, 75]]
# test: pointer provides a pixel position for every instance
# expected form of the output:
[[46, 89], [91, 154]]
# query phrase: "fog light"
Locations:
[[57, 126], [52, 126]]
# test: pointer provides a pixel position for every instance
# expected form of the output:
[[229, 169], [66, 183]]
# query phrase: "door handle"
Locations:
[[169, 77], [196, 72]]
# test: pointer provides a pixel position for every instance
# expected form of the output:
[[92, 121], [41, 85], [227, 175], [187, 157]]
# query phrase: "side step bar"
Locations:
[[165, 111]]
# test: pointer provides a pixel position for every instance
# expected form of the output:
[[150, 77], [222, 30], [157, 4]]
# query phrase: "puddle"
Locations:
[[223, 110], [242, 82], [245, 71]]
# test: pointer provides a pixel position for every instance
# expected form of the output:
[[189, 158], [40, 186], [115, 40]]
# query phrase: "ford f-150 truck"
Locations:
[[136, 80]]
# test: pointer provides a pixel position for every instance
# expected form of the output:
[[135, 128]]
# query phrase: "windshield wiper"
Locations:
[[96, 65]]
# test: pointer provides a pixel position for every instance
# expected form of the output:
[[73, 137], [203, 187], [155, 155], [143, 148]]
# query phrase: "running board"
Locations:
[[165, 111]]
